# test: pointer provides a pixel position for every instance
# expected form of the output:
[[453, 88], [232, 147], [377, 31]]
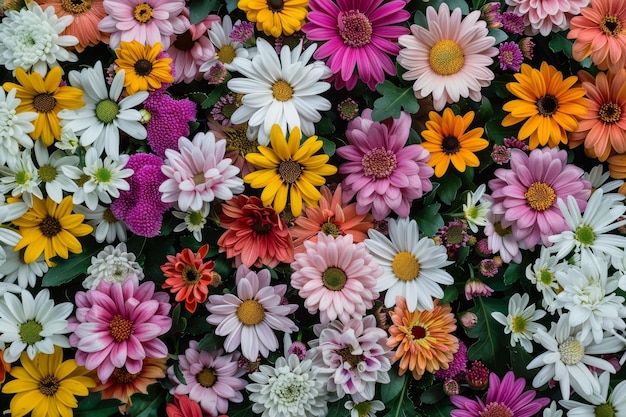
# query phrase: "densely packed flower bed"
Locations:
[[313, 208]]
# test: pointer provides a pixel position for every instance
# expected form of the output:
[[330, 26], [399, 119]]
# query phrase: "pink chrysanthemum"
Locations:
[[527, 194], [212, 379], [144, 21], [504, 398], [117, 325], [546, 16], [336, 277], [358, 35], [382, 172], [249, 317], [198, 173], [510, 56]]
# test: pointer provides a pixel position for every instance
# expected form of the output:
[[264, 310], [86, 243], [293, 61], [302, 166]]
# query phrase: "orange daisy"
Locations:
[[422, 338], [143, 69]]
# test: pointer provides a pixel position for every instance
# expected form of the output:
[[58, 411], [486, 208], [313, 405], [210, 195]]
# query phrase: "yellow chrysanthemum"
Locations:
[[46, 97], [289, 169], [276, 16], [548, 103], [143, 70], [50, 228], [47, 385], [448, 140]]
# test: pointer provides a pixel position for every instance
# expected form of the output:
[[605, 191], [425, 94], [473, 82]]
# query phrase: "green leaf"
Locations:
[[420, 19], [326, 126], [450, 184], [433, 395], [197, 326], [393, 100], [452, 4], [429, 220], [148, 405], [450, 294], [499, 34], [496, 132], [76, 264], [210, 342], [240, 410], [560, 43], [338, 409], [439, 409], [401, 405], [513, 273], [490, 343], [197, 97], [199, 9], [214, 96], [392, 389], [519, 359], [329, 146], [231, 5], [94, 406]]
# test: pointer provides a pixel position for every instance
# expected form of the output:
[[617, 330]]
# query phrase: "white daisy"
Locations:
[[226, 50], [14, 127], [33, 324], [520, 321], [11, 211], [600, 404], [58, 171], [98, 123], [112, 264], [552, 411], [21, 178], [284, 91], [600, 179], [30, 38], [16, 270], [476, 208], [194, 221], [412, 266], [106, 227], [542, 273]]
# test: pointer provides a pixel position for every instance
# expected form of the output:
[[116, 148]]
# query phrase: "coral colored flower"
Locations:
[[182, 406], [144, 68], [188, 276], [382, 172], [447, 140], [546, 16], [255, 235], [358, 36], [546, 103], [423, 339], [275, 17]]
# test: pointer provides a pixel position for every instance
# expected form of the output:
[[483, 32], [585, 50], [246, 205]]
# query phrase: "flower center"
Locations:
[[199, 178], [30, 332], [107, 111], [282, 91], [546, 277], [227, 54], [108, 216], [363, 408], [236, 138], [585, 235], [47, 173], [502, 231], [251, 312], [143, 13], [405, 266], [496, 410], [22, 177], [289, 171], [354, 28], [191, 275], [518, 324], [275, 5], [330, 228], [334, 278], [611, 25], [455, 235], [206, 377], [450, 145], [610, 112], [572, 351], [446, 57], [347, 356], [547, 105], [121, 328], [418, 332], [261, 227], [605, 410], [507, 57], [44, 102], [122, 376], [540, 196], [76, 6], [184, 41], [50, 226], [103, 175], [196, 218], [143, 67], [379, 163], [49, 385]]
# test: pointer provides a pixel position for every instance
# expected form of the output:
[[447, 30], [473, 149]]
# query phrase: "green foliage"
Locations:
[[394, 387], [429, 220], [514, 272], [401, 405], [148, 405], [393, 100], [450, 184], [329, 146], [210, 342], [489, 333], [68, 269], [452, 4], [433, 395], [94, 406], [199, 9]]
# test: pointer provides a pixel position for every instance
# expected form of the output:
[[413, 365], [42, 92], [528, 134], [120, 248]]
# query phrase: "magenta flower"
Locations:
[[510, 56], [117, 325], [504, 398], [249, 317], [382, 172], [358, 35]]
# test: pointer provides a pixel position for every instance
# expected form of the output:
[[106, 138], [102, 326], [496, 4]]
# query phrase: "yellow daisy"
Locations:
[[47, 385], [50, 228], [143, 69], [448, 140], [276, 17], [289, 169], [547, 103], [46, 97]]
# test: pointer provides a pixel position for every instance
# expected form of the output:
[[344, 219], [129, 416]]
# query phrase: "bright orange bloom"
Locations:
[[4, 367], [143, 69]]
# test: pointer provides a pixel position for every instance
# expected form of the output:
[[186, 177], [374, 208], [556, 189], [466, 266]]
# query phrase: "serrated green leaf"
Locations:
[[94, 406], [490, 343], [393, 100], [513, 273], [392, 389], [429, 220], [147, 405], [199, 9], [76, 264]]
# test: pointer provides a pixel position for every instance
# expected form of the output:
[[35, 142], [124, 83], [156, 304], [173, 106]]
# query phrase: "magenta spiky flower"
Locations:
[[169, 120]]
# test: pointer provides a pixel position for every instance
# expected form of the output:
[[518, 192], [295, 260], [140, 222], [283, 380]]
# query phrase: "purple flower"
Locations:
[[512, 23], [456, 368], [169, 120], [510, 56], [242, 32]]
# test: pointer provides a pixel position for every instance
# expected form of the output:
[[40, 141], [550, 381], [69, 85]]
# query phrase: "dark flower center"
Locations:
[[206, 377], [418, 332], [143, 13], [611, 26], [191, 275], [334, 279], [50, 227], [289, 171], [184, 41], [610, 112], [547, 105], [108, 216], [347, 356], [330, 228], [450, 145], [49, 385], [122, 376], [143, 67], [44, 102], [76, 6], [275, 5], [379, 163], [121, 328]]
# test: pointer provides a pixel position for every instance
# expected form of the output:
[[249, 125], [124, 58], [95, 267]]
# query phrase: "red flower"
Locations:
[[183, 407]]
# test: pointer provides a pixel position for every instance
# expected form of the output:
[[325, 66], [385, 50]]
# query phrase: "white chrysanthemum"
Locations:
[[14, 127], [542, 273], [520, 321], [106, 227], [193, 220], [33, 324], [476, 209], [288, 389], [69, 142], [99, 122], [412, 266], [112, 264], [29, 38], [568, 357], [600, 404], [226, 50], [57, 171], [20, 178], [281, 90]]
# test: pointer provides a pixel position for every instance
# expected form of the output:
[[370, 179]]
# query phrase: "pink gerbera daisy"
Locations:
[[336, 277], [249, 317], [382, 172], [546, 16], [527, 194], [451, 58], [117, 325], [358, 35]]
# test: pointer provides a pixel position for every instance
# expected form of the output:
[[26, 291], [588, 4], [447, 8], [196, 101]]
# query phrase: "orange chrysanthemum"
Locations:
[[189, 276], [143, 69], [422, 338], [547, 103]]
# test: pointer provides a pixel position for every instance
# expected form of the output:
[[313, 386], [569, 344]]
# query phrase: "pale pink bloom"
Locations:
[[476, 288], [336, 277], [500, 238], [546, 16], [198, 173], [249, 316]]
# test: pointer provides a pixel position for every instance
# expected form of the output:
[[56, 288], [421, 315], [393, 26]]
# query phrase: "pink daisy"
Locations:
[[117, 325], [198, 173], [500, 239], [527, 193], [249, 317], [451, 58], [336, 277], [504, 398], [358, 35], [144, 21], [382, 172], [546, 16], [212, 379]]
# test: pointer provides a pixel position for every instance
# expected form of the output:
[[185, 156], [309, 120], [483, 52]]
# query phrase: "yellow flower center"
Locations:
[[122, 376], [446, 57], [76, 6], [206, 377], [289, 171], [450, 145], [191, 275], [347, 357], [495, 409], [226, 54], [354, 28], [143, 67], [49, 385], [275, 5], [251, 312], [282, 91], [107, 111], [44, 102], [547, 105], [47, 173], [50, 226], [540, 196], [334, 279], [572, 351], [518, 324], [121, 328], [30, 332], [611, 25], [610, 112], [405, 266], [330, 228], [143, 13]]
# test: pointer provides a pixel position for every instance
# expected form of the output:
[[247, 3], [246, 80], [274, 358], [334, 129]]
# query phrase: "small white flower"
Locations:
[[598, 179], [520, 321], [476, 208], [600, 404], [194, 221], [225, 48], [14, 127], [69, 142], [106, 227], [364, 408], [15, 270], [552, 411], [57, 171], [542, 273], [20, 177], [112, 264]]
